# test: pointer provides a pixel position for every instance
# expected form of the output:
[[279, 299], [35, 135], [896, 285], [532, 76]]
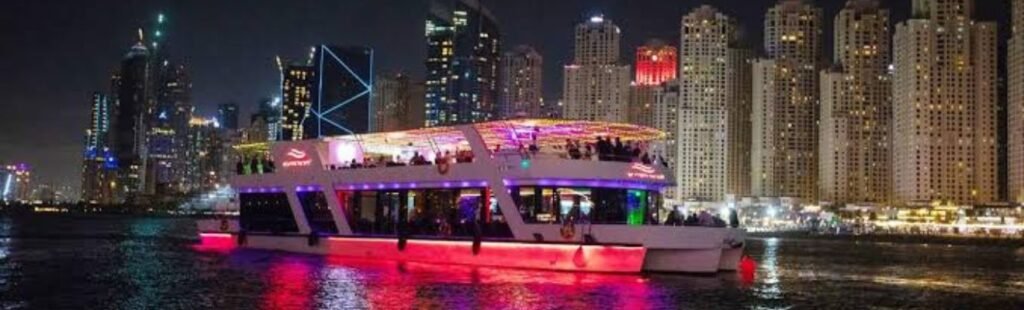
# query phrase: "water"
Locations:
[[144, 263]]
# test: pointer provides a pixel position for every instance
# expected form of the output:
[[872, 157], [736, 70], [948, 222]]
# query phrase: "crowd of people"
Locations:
[[417, 159], [703, 218], [611, 149]]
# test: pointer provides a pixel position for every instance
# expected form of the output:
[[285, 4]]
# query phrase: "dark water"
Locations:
[[122, 263]]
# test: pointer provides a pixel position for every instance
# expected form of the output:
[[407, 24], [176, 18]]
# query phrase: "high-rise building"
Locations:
[[856, 108], [205, 151], [785, 103], [227, 116], [167, 126], [596, 86], [1015, 106], [99, 169], [297, 98], [342, 92], [656, 63], [666, 118], [739, 127], [15, 183], [711, 134], [944, 108], [463, 51], [521, 91], [398, 103], [128, 127]]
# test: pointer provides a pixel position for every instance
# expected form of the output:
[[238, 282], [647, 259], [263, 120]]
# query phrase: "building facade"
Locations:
[[463, 52], [785, 103], [99, 169], [666, 118], [296, 99], [1015, 106], [521, 91], [711, 87], [342, 93], [656, 63], [944, 124], [856, 109], [227, 116], [128, 126], [596, 86], [398, 103]]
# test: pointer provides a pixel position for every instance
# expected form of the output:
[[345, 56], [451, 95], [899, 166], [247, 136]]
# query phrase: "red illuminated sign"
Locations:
[[641, 171], [296, 158]]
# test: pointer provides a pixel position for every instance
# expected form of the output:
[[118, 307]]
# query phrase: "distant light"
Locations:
[[159, 33], [597, 19], [525, 164], [160, 18]]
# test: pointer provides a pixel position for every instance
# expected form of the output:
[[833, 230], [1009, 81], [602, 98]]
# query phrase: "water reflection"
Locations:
[[770, 286]]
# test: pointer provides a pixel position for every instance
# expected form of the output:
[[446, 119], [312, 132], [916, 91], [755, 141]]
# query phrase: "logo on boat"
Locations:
[[296, 158], [641, 171]]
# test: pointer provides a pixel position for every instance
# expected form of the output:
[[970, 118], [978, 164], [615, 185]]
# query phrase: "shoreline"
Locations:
[[889, 238]]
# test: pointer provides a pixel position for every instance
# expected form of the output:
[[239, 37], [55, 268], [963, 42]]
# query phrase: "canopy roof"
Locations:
[[508, 134]]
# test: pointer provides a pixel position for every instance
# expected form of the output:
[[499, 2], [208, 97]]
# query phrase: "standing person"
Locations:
[[602, 149], [620, 150]]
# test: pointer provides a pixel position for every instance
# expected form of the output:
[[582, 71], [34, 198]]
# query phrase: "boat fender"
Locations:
[[477, 240], [241, 237], [224, 225], [568, 231], [402, 240], [313, 239]]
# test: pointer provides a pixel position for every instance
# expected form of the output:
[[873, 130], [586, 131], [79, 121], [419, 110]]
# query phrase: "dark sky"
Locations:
[[55, 53]]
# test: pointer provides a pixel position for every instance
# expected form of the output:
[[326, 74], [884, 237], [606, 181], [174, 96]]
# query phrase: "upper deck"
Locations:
[[518, 152]]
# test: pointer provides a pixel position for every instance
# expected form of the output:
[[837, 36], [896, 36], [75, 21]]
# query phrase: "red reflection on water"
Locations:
[[217, 243], [747, 271], [290, 285]]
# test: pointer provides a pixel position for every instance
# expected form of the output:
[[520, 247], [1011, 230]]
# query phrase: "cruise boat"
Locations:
[[496, 194]]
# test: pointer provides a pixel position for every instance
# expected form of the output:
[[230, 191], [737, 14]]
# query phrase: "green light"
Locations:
[[160, 18], [525, 164], [158, 33]]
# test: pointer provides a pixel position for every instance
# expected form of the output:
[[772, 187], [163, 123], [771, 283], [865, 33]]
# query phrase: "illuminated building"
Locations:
[[297, 97], [398, 103], [227, 116], [463, 51], [666, 118], [785, 103], [99, 167], [15, 183], [269, 121], [596, 86], [521, 88], [128, 128], [206, 153], [1015, 108], [168, 130], [944, 108], [712, 132], [656, 63], [342, 92], [856, 108]]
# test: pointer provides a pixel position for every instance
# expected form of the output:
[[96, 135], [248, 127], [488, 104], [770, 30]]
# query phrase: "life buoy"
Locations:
[[568, 231], [224, 226], [443, 166]]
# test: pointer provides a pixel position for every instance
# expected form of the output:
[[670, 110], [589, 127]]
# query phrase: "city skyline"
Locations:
[[231, 71]]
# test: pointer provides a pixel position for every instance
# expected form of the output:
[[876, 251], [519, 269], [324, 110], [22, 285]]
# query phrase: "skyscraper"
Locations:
[[128, 126], [167, 130], [856, 108], [99, 170], [666, 118], [656, 63], [596, 86], [297, 98], [398, 103], [785, 103], [521, 93], [342, 92], [711, 134], [463, 51], [1015, 119], [227, 116], [944, 124]]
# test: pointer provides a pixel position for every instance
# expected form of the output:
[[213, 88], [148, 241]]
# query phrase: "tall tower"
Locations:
[[398, 102], [227, 116], [297, 97], [98, 169], [463, 51], [521, 91], [785, 103], [1016, 105], [656, 63], [708, 82], [856, 108], [128, 126], [343, 92], [596, 86], [944, 125]]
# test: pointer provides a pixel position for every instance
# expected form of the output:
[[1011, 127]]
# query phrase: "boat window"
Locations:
[[266, 212], [318, 214]]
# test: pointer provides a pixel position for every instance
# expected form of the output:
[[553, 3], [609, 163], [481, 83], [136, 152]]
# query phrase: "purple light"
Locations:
[[447, 184]]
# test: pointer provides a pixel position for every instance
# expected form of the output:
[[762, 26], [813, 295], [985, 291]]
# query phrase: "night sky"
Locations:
[[55, 53]]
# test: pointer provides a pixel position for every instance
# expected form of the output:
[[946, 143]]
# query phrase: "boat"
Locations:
[[498, 194]]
